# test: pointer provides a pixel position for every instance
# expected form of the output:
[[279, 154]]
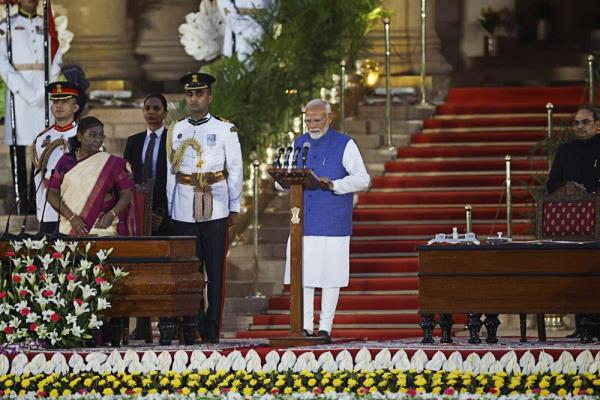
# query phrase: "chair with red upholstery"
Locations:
[[569, 214]]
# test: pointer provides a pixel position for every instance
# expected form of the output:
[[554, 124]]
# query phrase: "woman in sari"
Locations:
[[91, 189]]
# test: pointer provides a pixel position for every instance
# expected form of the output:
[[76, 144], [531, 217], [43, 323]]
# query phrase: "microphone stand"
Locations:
[[22, 234]]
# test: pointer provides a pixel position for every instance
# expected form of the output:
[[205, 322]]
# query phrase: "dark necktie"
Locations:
[[147, 168]]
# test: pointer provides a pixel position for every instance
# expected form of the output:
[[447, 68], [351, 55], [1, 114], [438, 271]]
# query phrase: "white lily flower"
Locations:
[[5, 308], [61, 278], [105, 287], [28, 243], [103, 304], [73, 246], [53, 336], [60, 245], [84, 265], [3, 325], [42, 301], [103, 254], [87, 291], [94, 322], [76, 330], [42, 331], [65, 332], [80, 309], [71, 319], [32, 317], [72, 285], [15, 322], [20, 305], [16, 246], [119, 272], [47, 314], [46, 260]]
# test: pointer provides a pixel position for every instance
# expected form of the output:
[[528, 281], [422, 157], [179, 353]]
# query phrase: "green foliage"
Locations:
[[303, 44]]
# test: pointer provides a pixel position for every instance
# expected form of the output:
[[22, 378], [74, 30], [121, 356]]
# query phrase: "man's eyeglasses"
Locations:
[[583, 122]]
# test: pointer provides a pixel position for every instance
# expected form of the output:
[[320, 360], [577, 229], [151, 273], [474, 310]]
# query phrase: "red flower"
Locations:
[[492, 390], [55, 317], [41, 393], [411, 392], [364, 390], [131, 392], [225, 390], [449, 391], [99, 280], [31, 268], [16, 278], [10, 254], [8, 330], [317, 390], [47, 293], [25, 312], [78, 301], [274, 391], [82, 391], [32, 326], [23, 292], [2, 295], [536, 390], [70, 277], [56, 255], [100, 267]]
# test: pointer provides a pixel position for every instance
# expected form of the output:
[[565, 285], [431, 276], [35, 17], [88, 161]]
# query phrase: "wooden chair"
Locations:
[[570, 214]]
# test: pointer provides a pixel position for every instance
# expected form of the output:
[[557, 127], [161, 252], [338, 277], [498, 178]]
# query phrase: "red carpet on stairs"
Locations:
[[457, 159]]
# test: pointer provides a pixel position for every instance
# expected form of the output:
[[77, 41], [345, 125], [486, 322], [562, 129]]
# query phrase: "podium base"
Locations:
[[296, 341]]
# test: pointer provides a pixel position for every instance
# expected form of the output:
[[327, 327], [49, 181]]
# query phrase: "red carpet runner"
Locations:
[[457, 159]]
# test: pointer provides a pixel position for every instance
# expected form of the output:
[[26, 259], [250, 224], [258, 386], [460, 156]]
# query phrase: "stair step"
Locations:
[[458, 180], [495, 165], [465, 137], [283, 320], [364, 333], [415, 213], [489, 122], [377, 284], [428, 230], [357, 302], [365, 265], [444, 197], [469, 151]]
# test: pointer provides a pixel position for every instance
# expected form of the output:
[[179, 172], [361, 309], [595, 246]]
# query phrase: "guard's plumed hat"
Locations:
[[197, 81], [62, 90]]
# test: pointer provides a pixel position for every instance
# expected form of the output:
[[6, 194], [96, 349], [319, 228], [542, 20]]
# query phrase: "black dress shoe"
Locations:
[[324, 335], [210, 340], [574, 335], [307, 333]]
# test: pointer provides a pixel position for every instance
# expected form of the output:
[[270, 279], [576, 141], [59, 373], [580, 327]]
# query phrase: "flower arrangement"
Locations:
[[54, 293], [378, 384]]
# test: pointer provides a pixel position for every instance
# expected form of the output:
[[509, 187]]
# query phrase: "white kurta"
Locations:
[[41, 143], [326, 259], [26, 78]]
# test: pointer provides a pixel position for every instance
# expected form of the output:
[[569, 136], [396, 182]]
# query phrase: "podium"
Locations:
[[297, 180]]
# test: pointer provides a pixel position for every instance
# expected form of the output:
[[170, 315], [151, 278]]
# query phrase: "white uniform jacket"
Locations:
[[221, 151], [25, 77], [48, 147]]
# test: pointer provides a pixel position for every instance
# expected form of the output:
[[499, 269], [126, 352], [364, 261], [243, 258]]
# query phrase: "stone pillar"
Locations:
[[405, 35], [162, 56], [102, 45]]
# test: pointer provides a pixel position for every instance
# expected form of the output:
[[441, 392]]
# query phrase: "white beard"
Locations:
[[319, 134]]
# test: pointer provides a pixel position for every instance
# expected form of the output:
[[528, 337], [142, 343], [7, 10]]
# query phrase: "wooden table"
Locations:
[[508, 278], [163, 281]]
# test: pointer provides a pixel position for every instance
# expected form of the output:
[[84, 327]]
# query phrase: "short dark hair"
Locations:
[[595, 112], [159, 97], [84, 124]]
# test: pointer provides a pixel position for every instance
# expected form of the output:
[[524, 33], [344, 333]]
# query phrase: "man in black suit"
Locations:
[[146, 152]]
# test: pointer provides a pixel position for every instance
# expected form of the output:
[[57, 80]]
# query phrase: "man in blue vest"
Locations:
[[335, 158]]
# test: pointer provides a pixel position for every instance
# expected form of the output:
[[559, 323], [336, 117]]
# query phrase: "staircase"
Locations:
[[456, 159]]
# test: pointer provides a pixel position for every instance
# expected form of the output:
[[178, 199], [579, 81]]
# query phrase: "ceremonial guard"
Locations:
[[50, 145], [24, 77], [204, 186]]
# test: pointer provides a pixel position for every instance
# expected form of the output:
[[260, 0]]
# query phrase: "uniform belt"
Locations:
[[26, 67], [207, 178]]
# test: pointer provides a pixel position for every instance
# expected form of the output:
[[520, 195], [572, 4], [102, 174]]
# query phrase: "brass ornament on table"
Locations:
[[554, 322], [295, 215], [369, 70]]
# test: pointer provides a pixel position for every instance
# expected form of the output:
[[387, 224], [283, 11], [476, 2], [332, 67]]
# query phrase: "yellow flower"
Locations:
[[544, 384], [420, 381], [280, 382], [111, 378], [8, 383], [337, 382], [176, 383], [436, 390], [253, 382], [329, 389], [577, 383], [66, 392], [152, 391], [562, 392], [87, 382], [589, 391], [544, 392], [216, 391], [22, 392], [101, 382], [185, 391], [288, 390], [352, 383], [368, 382], [261, 391], [247, 391], [297, 382], [53, 393], [202, 390], [324, 381], [25, 383], [373, 389], [311, 382], [108, 392]]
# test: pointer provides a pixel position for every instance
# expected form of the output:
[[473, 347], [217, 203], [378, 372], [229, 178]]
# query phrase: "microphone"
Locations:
[[295, 156], [277, 162], [6, 235], [22, 234], [305, 149], [286, 157]]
